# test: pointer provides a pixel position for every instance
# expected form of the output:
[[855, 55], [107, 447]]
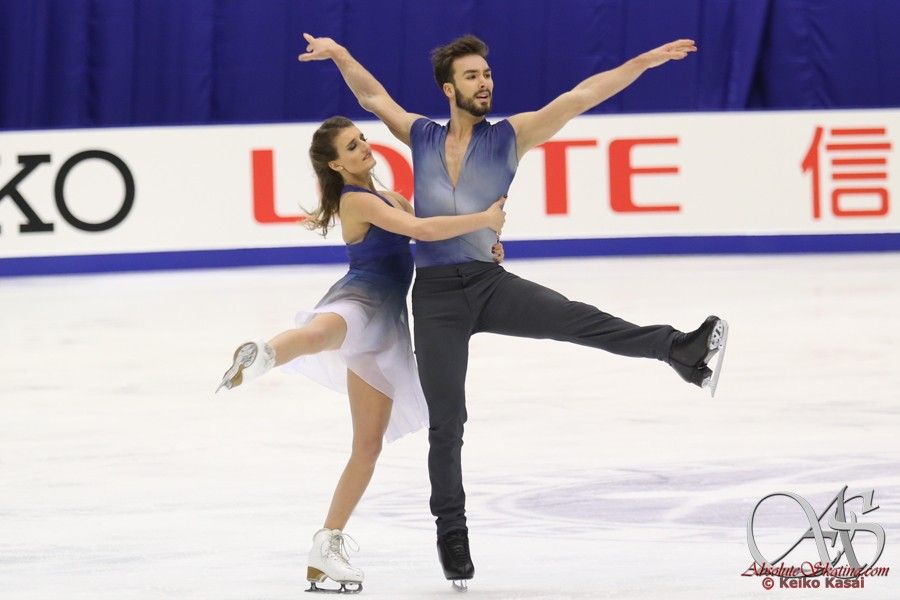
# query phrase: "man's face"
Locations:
[[473, 85]]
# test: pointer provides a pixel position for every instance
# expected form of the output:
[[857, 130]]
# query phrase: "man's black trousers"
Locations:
[[450, 304]]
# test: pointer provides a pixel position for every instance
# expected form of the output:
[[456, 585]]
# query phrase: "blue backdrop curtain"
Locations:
[[78, 63]]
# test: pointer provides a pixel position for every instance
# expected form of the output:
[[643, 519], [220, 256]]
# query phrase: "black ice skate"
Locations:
[[692, 351], [453, 550], [699, 376]]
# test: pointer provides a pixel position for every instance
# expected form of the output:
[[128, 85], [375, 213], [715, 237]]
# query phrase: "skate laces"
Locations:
[[268, 355], [458, 546], [339, 544]]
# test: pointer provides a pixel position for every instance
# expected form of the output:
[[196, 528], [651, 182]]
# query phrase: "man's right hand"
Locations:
[[368, 91], [319, 48]]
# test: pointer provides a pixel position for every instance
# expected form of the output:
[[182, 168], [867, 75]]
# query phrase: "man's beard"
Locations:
[[468, 105]]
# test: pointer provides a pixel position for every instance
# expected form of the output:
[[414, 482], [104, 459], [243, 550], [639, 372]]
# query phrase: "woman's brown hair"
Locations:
[[321, 152]]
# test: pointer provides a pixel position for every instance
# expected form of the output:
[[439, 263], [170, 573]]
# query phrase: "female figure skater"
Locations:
[[356, 340]]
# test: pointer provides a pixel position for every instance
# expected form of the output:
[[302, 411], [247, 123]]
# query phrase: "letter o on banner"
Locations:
[[127, 201]]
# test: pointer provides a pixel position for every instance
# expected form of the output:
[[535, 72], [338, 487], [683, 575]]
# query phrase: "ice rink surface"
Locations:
[[588, 475]]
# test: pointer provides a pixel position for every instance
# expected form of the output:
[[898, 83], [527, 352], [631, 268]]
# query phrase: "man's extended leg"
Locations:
[[515, 306], [526, 309]]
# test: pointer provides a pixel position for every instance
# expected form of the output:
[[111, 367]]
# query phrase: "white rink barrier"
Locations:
[[184, 197]]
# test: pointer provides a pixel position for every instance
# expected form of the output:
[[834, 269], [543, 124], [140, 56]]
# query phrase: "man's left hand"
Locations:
[[672, 51]]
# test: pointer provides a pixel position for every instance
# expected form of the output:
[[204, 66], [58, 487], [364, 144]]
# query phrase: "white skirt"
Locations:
[[377, 347]]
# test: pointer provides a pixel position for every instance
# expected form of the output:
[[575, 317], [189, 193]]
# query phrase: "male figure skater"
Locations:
[[462, 168]]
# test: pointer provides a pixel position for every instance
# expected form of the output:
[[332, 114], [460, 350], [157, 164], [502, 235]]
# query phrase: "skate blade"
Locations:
[[461, 585], [344, 589], [243, 358], [315, 576], [718, 339], [715, 339]]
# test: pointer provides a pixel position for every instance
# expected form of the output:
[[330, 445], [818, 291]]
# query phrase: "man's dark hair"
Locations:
[[442, 57]]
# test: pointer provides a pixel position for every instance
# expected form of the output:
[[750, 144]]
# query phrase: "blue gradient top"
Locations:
[[380, 252], [487, 170]]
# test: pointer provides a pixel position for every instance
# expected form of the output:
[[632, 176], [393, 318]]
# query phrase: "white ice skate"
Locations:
[[717, 340], [328, 560], [251, 360]]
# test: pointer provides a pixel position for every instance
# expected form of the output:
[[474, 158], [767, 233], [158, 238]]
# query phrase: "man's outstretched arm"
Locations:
[[371, 94], [533, 128]]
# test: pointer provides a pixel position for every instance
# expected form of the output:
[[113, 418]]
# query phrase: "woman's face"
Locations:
[[354, 155]]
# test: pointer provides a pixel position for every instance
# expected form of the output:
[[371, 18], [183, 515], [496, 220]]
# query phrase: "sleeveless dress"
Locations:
[[371, 298]]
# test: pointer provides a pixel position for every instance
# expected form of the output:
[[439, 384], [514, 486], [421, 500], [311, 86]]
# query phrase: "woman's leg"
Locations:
[[371, 411], [326, 331]]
